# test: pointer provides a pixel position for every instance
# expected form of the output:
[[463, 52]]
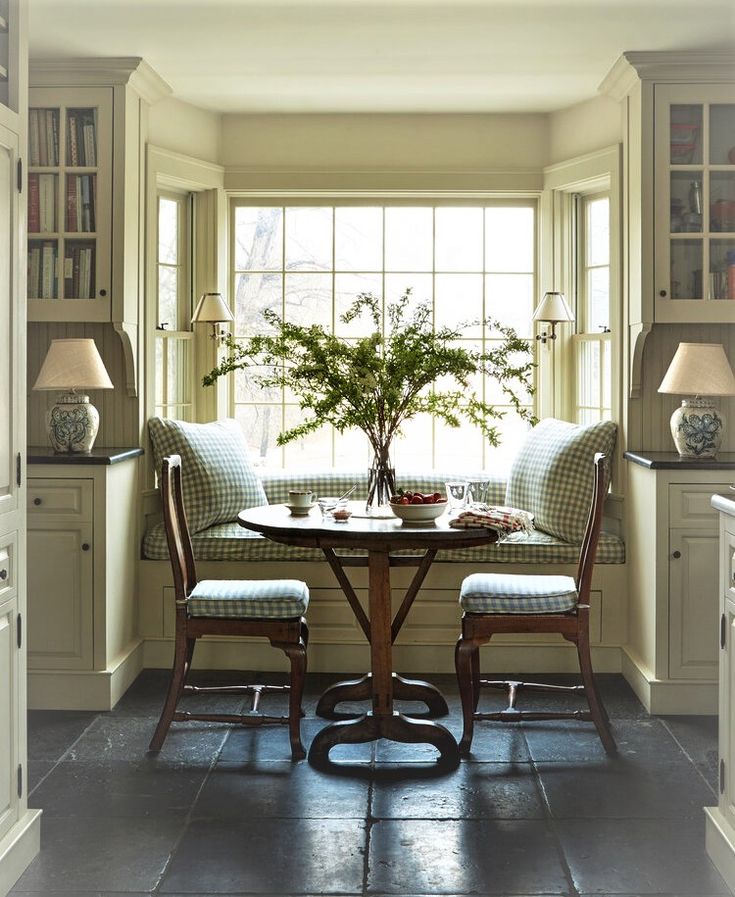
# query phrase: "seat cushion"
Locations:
[[217, 478], [504, 593], [269, 599], [553, 474]]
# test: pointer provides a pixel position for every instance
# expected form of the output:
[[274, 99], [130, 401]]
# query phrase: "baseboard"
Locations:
[[85, 689], [720, 844], [669, 697], [18, 848]]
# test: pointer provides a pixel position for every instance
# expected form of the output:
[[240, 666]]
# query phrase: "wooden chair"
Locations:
[[495, 603], [269, 608]]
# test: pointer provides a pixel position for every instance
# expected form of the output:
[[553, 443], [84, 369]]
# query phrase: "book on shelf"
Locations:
[[34, 271], [82, 137], [47, 203], [34, 138], [73, 150], [34, 207], [48, 271], [43, 136]]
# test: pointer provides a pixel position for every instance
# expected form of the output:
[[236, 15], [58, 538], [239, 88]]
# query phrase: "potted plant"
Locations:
[[379, 382]]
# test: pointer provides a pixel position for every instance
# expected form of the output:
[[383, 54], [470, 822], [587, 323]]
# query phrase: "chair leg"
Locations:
[[475, 679], [297, 655], [182, 651], [464, 656], [597, 709]]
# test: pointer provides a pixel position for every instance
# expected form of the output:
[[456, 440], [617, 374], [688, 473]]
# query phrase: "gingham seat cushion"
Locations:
[[217, 479], [231, 542], [553, 474], [267, 599], [499, 593]]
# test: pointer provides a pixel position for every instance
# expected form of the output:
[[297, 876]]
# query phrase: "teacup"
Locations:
[[300, 498]]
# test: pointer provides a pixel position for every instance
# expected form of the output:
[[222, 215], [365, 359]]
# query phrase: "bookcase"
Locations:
[[69, 203]]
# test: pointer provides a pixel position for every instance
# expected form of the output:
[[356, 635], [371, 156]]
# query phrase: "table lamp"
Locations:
[[700, 370], [72, 364], [552, 309], [211, 309]]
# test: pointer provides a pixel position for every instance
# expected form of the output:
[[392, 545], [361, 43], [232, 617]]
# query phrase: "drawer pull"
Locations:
[[3, 574], [36, 501], [85, 546], [676, 554]]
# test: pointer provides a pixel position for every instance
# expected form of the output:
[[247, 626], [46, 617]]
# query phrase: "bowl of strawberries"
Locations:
[[418, 507]]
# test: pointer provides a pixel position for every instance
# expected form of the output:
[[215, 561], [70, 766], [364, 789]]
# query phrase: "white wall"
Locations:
[[583, 128], [186, 129]]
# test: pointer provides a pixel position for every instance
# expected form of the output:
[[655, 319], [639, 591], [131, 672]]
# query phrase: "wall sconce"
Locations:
[[211, 309], [552, 309]]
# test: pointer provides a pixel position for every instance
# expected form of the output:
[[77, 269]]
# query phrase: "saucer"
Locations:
[[300, 510]]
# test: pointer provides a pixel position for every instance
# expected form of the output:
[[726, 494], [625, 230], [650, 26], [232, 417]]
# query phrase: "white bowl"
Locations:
[[419, 513]]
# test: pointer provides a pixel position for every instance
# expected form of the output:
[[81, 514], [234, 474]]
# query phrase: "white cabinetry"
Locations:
[[83, 648], [720, 836], [671, 657]]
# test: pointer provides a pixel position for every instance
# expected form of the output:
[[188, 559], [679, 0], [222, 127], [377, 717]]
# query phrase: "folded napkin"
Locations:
[[500, 518]]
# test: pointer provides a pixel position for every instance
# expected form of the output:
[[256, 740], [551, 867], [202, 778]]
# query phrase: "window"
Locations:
[[173, 336], [309, 263], [593, 340]]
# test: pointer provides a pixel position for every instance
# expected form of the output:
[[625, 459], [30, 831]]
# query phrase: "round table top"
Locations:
[[379, 533]]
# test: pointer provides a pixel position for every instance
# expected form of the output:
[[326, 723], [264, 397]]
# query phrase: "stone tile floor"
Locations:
[[538, 809]]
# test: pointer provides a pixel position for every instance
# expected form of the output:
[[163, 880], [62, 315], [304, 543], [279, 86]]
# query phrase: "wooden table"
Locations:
[[379, 537]]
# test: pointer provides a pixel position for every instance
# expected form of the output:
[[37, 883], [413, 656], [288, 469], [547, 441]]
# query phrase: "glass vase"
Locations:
[[381, 483]]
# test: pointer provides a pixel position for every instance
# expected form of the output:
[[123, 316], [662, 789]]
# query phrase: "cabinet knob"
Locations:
[[36, 501], [662, 293], [676, 554], [85, 546], [103, 292], [3, 574]]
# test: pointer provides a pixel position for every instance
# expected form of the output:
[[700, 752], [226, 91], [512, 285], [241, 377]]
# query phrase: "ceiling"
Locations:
[[321, 56]]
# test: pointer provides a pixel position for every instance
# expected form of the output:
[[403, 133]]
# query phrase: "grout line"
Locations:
[[665, 724], [55, 763]]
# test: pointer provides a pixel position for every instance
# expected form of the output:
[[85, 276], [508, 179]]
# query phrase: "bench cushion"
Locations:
[[499, 593], [231, 542], [267, 599], [216, 476], [553, 474]]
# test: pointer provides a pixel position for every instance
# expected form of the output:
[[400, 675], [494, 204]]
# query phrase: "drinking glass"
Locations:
[[478, 492], [457, 494]]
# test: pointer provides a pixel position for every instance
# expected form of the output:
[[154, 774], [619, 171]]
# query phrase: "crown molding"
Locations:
[[98, 71], [691, 66]]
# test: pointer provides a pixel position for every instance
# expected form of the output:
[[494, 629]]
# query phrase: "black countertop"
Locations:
[[43, 454], [674, 461]]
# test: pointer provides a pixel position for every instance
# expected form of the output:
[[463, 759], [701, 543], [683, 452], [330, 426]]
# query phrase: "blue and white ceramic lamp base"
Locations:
[[72, 424], [697, 427]]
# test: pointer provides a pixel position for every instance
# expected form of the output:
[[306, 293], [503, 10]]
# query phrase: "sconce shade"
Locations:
[[73, 364], [553, 308], [699, 369], [211, 309]]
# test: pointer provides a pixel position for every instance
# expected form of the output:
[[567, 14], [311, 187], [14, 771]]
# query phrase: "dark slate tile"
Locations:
[[112, 738], [37, 772], [639, 856], [697, 736], [101, 854], [52, 732], [237, 791], [571, 741], [491, 743], [246, 745], [118, 789], [628, 787], [279, 856], [474, 791], [472, 856]]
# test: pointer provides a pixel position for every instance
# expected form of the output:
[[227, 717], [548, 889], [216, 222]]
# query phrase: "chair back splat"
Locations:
[[177, 530], [592, 530]]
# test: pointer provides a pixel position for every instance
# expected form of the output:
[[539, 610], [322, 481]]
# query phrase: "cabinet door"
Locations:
[[727, 716], [695, 202], [9, 696], [693, 604], [10, 359]]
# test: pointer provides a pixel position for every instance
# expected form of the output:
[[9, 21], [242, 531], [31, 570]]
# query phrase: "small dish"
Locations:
[[300, 510]]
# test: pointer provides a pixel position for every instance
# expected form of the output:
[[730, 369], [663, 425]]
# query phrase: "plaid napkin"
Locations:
[[502, 519]]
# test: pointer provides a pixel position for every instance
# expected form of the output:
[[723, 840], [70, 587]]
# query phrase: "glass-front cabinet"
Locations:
[[69, 204], [695, 203]]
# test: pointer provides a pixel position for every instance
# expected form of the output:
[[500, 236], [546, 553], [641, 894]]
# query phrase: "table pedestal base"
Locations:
[[362, 690], [394, 727]]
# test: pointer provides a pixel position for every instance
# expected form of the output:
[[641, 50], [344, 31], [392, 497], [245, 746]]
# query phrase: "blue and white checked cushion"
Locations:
[[500, 593], [553, 474], [266, 599], [216, 477]]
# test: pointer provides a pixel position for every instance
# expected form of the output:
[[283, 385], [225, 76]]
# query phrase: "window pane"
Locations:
[[352, 451], [358, 239], [413, 448], [178, 389], [598, 231], [254, 293], [159, 371], [409, 239], [509, 239], [460, 448], [168, 230], [598, 292], [458, 300], [514, 430], [347, 287], [421, 285], [309, 299], [458, 239], [261, 425], [168, 294], [311, 452], [308, 239], [258, 238], [509, 299]]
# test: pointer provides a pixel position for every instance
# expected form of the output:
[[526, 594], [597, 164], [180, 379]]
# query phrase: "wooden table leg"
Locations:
[[362, 690]]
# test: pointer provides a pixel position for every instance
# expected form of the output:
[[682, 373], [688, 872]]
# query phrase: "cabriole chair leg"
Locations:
[[464, 657]]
